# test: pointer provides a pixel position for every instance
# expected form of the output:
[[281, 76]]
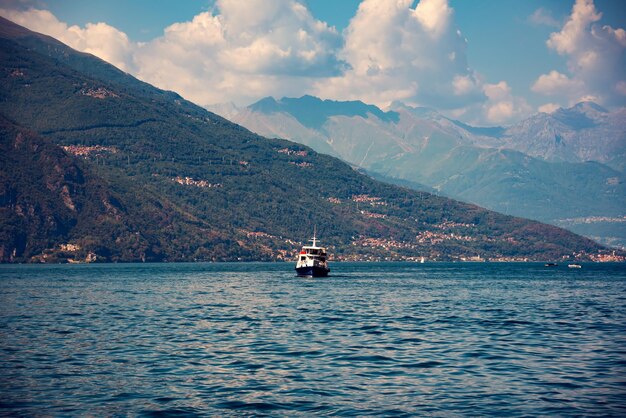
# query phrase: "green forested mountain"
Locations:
[[560, 169], [98, 165]]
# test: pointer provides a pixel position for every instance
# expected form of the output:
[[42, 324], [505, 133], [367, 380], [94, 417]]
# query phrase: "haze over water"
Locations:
[[382, 339]]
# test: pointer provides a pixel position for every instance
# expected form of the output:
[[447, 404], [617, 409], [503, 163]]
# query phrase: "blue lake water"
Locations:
[[383, 339]]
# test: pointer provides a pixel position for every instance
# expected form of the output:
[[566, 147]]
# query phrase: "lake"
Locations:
[[383, 339]]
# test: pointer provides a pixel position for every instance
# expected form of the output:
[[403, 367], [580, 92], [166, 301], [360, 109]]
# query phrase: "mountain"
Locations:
[[97, 165], [56, 207], [496, 167], [313, 112], [226, 110], [584, 132]]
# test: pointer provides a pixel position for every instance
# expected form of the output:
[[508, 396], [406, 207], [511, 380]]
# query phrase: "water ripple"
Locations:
[[373, 340]]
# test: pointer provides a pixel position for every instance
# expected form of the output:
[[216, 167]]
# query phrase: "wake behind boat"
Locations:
[[312, 261]]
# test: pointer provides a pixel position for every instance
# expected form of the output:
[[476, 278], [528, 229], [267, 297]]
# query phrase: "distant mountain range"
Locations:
[[584, 132], [564, 168], [98, 166]]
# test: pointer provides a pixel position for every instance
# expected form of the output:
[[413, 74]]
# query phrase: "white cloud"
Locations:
[[417, 56], [549, 107], [98, 39], [463, 84], [498, 92], [245, 51], [396, 52], [595, 59], [555, 83], [542, 16], [501, 106], [434, 15], [242, 51], [575, 30]]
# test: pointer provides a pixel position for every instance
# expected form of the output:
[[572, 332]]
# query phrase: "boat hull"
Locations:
[[312, 271]]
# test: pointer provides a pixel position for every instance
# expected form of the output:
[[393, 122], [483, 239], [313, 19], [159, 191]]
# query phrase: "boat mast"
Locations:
[[314, 234]]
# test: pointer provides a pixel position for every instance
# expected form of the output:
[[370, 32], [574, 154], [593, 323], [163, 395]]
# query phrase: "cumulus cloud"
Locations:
[[555, 83], [396, 52], [434, 15], [464, 84], [502, 106], [98, 39], [595, 59], [548, 107], [417, 55], [242, 51]]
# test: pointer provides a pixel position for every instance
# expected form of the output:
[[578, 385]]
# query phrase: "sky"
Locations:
[[485, 62]]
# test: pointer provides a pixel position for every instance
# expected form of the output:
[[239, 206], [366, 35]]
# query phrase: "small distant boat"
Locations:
[[551, 264], [312, 260], [575, 266]]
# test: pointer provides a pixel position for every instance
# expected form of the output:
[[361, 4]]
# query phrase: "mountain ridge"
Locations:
[[466, 162], [178, 183], [313, 112]]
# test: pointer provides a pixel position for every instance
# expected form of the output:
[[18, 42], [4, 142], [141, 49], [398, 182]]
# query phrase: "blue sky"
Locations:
[[485, 61]]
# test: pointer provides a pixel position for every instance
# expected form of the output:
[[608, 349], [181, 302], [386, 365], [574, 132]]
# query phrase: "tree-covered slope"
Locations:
[[129, 172], [519, 170], [56, 207]]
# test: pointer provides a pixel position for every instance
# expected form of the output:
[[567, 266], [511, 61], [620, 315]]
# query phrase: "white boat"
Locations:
[[312, 261], [574, 266]]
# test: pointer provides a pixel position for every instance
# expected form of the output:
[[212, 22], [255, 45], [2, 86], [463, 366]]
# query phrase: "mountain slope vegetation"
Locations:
[[558, 168], [100, 166]]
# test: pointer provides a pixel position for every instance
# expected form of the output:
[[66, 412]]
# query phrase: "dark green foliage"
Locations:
[[115, 191]]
